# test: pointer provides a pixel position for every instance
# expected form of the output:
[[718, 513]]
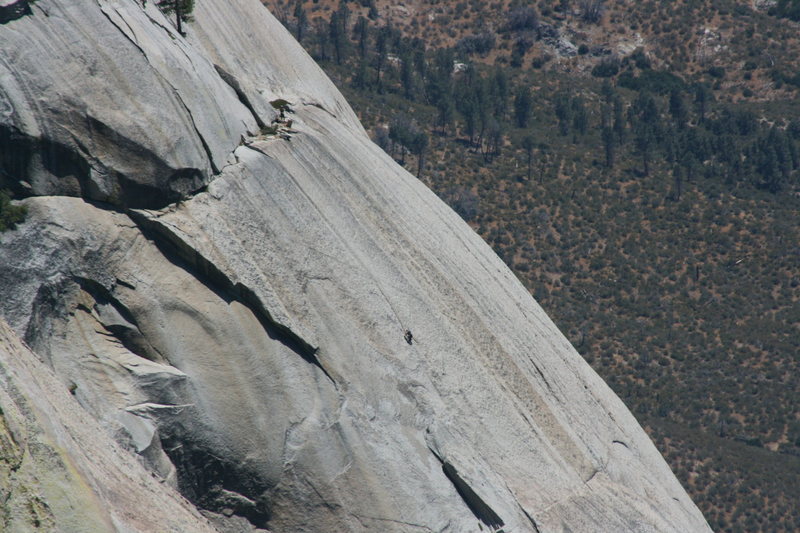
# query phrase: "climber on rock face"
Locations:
[[408, 336]]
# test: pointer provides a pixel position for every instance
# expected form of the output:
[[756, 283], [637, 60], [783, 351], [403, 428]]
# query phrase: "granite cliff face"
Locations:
[[230, 307]]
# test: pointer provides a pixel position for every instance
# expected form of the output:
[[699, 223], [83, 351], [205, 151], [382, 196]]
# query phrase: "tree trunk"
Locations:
[[178, 16]]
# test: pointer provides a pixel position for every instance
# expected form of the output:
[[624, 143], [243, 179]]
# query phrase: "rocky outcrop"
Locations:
[[59, 471], [105, 100], [232, 306]]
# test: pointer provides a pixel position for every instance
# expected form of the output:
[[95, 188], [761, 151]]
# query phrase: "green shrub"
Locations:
[[654, 81], [170, 6], [10, 214], [640, 58], [606, 68], [540, 61]]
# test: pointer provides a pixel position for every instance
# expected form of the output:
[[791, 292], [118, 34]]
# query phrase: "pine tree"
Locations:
[[400, 133], [381, 51], [702, 99], [373, 11], [528, 145], [322, 34], [181, 8], [678, 185], [420, 64], [608, 144], [644, 140], [419, 144], [445, 107], [360, 77], [645, 109], [543, 158], [522, 106], [301, 21], [580, 117], [607, 92], [362, 33], [338, 32], [677, 107], [343, 12], [467, 105], [471, 119], [407, 75], [689, 163], [482, 99], [494, 140], [619, 120], [563, 113], [499, 90]]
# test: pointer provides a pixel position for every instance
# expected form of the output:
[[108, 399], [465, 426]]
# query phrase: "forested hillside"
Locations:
[[638, 165]]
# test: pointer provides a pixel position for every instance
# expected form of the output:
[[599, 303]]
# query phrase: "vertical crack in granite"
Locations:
[[203, 141], [234, 84]]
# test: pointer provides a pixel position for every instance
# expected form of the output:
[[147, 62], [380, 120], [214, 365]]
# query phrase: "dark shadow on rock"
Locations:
[[55, 169], [14, 11], [475, 503], [216, 484]]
